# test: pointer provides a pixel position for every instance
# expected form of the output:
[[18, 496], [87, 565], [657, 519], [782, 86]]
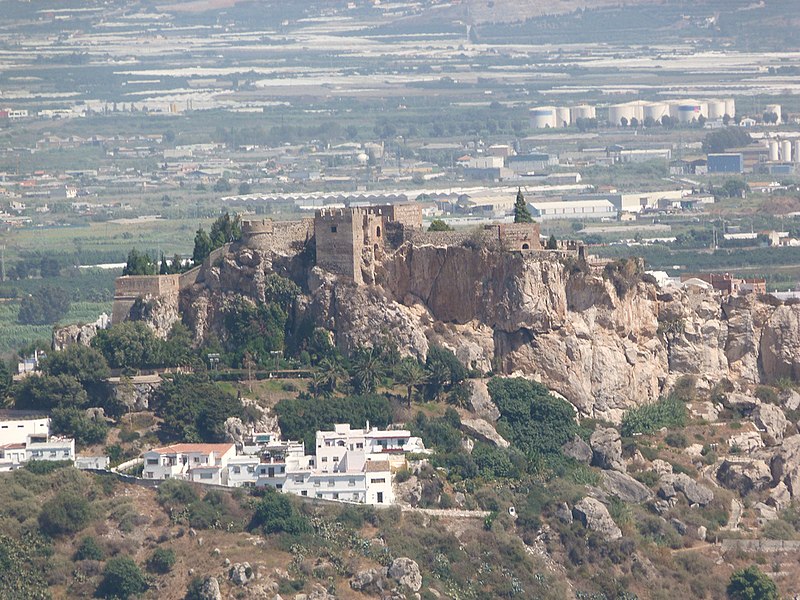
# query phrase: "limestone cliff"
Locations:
[[526, 313]]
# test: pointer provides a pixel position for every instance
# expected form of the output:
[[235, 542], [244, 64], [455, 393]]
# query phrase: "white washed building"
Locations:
[[202, 463], [349, 465], [17, 425]]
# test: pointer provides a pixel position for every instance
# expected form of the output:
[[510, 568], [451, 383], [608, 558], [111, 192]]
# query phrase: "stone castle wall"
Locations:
[[283, 237], [129, 288]]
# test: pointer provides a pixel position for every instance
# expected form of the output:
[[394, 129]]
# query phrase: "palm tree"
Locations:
[[331, 375], [410, 374], [366, 370]]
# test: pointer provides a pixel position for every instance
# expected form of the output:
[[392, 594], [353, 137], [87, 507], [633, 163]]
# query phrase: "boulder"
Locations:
[[407, 573], [578, 449], [765, 512], [702, 532], [743, 403], [625, 487], [241, 573], [607, 449], [368, 580], [785, 464], [594, 516], [483, 430], [563, 513], [480, 402], [744, 475], [696, 493], [210, 589], [790, 399], [746, 441], [662, 467], [679, 526], [779, 496], [772, 422]]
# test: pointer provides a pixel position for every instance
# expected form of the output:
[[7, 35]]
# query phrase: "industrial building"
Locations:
[[577, 209], [726, 163], [633, 203]]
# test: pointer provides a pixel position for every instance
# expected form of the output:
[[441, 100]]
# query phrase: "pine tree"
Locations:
[[164, 269], [521, 212]]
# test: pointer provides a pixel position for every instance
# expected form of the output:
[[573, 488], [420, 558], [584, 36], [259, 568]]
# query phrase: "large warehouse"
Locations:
[[576, 209]]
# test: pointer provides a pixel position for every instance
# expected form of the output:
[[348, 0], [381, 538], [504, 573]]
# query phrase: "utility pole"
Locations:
[[2, 262]]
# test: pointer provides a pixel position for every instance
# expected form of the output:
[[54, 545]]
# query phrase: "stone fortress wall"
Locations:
[[283, 237], [129, 288]]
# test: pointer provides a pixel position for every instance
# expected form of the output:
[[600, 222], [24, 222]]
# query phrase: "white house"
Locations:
[[349, 465], [36, 447], [194, 462], [17, 425]]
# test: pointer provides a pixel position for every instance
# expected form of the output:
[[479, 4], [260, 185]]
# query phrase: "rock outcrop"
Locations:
[[625, 487], [744, 475], [771, 420], [607, 449], [595, 517], [569, 328]]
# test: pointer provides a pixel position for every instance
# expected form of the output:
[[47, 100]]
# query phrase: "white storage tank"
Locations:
[[716, 109], [543, 117], [563, 117], [775, 108], [774, 151], [656, 110], [786, 151], [689, 111], [730, 107], [617, 112], [583, 111]]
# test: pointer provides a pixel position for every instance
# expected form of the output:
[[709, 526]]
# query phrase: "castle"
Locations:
[[345, 240]]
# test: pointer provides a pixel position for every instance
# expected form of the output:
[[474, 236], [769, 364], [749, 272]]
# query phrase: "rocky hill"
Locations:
[[606, 339]]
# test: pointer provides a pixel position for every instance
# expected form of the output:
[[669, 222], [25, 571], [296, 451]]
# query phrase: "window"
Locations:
[[359, 445], [237, 470], [335, 495], [351, 483], [206, 475], [333, 228], [381, 480], [152, 461], [304, 493], [324, 459], [331, 483], [279, 486]]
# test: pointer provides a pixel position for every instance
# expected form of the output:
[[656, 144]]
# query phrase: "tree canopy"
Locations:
[[194, 409], [521, 212], [752, 584], [46, 305], [534, 421], [139, 263]]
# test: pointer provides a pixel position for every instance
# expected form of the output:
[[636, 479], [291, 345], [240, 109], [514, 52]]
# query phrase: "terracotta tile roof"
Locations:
[[193, 448], [376, 466]]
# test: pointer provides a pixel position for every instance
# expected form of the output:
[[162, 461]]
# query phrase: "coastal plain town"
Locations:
[[438, 299]]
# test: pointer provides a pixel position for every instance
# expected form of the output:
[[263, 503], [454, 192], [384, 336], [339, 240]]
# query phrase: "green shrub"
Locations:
[[752, 584], [275, 513], [122, 579], [161, 561], [665, 412], [676, 440], [45, 467], [176, 493], [767, 394], [89, 549], [66, 513]]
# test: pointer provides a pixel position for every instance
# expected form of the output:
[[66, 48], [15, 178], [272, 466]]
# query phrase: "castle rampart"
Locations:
[[129, 288]]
